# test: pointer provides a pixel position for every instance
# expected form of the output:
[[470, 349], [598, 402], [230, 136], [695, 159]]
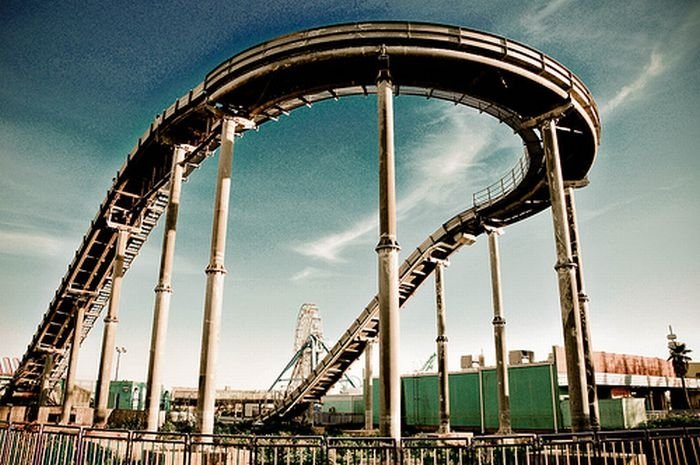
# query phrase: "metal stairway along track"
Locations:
[[88, 281], [498, 210], [502, 78]]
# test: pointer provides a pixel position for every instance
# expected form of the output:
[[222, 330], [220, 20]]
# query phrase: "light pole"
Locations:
[[120, 351]]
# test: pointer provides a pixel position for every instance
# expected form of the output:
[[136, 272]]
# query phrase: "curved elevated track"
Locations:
[[505, 79]]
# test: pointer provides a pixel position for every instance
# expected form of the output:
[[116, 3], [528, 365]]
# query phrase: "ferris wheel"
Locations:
[[309, 349]]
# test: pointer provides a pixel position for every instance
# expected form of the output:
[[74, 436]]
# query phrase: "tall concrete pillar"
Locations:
[[163, 292], [388, 269], [591, 389], [367, 388], [216, 273], [110, 332], [499, 335], [568, 290], [69, 388], [441, 340], [45, 378]]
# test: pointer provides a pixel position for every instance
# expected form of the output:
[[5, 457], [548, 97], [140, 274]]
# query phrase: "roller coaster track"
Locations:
[[505, 79]]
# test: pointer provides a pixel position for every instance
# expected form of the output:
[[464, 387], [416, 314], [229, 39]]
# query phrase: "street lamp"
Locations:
[[120, 351]]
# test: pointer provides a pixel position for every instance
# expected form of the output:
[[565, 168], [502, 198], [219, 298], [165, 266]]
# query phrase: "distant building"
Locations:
[[230, 403], [630, 388], [625, 375], [519, 357], [127, 395]]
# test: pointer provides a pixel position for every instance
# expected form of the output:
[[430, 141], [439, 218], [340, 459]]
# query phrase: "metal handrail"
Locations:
[[504, 186]]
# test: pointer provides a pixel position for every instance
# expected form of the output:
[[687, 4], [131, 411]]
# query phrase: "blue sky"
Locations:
[[81, 81]]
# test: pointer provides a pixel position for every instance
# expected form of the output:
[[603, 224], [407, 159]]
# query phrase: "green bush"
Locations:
[[673, 421], [182, 426], [127, 419]]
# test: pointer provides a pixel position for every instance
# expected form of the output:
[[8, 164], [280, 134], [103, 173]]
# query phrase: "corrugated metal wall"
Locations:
[[533, 401]]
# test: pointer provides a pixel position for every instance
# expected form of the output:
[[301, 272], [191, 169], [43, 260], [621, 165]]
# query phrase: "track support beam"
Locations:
[[367, 387], [441, 340], [568, 289], [499, 336], [46, 378], [591, 388], [163, 292], [216, 272], [69, 388], [388, 267], [110, 331]]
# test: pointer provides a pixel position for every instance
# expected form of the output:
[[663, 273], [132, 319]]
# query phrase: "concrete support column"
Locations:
[[441, 340], [110, 332], [367, 388], [568, 290], [163, 292], [591, 389], [499, 335], [69, 388], [216, 273], [45, 378], [388, 269]]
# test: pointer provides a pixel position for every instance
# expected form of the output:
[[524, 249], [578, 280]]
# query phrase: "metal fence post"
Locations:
[[537, 450], [648, 447], [596, 445], [38, 445], [5, 444], [254, 451], [188, 449], [79, 446], [129, 445], [325, 456]]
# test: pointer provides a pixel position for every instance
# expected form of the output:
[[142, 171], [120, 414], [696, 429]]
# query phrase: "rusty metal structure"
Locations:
[[543, 102]]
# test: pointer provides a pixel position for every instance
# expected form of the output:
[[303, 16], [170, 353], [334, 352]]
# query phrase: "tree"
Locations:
[[679, 359]]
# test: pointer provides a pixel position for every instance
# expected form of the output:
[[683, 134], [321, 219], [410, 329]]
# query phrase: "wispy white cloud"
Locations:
[[304, 274], [32, 244], [330, 247], [442, 165], [314, 273], [633, 90], [684, 40], [536, 20], [449, 158]]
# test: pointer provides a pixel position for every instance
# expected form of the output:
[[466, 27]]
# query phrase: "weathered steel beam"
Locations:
[[45, 377], [441, 340], [216, 273], [388, 268], [568, 290], [110, 332], [69, 391], [591, 388], [163, 292], [499, 335], [367, 393]]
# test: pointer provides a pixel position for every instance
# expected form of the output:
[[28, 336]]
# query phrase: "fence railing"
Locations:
[[29, 444], [503, 186]]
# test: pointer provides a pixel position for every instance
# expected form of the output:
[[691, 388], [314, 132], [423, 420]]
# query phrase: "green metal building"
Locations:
[[538, 401], [127, 395], [534, 399]]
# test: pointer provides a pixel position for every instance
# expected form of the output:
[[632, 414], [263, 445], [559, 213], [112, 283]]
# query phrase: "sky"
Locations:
[[81, 81]]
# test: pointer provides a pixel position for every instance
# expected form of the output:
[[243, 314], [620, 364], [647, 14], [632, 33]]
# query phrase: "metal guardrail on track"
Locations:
[[31, 444]]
